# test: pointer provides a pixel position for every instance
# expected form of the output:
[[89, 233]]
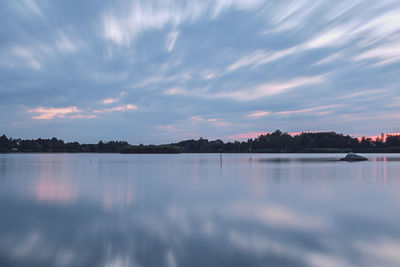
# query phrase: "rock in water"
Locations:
[[353, 157]]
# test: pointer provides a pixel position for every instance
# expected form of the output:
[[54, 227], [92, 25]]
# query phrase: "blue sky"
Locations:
[[164, 71]]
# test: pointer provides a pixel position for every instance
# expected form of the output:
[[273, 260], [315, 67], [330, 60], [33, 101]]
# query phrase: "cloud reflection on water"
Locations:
[[55, 191], [192, 212]]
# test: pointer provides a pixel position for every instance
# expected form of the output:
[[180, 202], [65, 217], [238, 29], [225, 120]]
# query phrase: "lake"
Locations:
[[194, 210]]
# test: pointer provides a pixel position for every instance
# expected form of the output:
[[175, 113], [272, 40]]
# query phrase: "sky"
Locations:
[[171, 70]]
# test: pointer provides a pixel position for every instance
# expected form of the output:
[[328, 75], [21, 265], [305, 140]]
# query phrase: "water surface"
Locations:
[[192, 210]]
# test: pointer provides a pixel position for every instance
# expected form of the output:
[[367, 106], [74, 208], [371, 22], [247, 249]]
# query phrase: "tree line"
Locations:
[[276, 142]]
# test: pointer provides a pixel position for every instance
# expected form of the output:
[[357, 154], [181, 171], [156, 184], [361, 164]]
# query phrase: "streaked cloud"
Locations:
[[198, 118], [214, 121], [223, 5], [383, 250], [117, 108], [145, 15], [261, 57], [65, 43], [28, 56], [305, 110], [259, 113], [80, 116], [171, 39], [231, 60], [332, 37], [330, 59], [263, 90], [383, 55], [269, 89], [51, 113]]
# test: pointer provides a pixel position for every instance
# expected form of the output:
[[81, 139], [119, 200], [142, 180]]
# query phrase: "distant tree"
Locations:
[[392, 140], [366, 142], [4, 144]]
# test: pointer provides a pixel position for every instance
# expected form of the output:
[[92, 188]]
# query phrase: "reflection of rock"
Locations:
[[353, 157]]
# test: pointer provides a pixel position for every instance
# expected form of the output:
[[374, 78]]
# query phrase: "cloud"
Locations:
[[332, 37], [171, 40], [80, 116], [198, 118], [108, 101], [381, 252], [305, 110], [259, 113], [213, 59], [65, 44], [122, 27], [261, 57], [250, 94], [170, 260], [214, 121], [369, 93], [330, 59], [222, 5], [51, 113], [176, 91], [320, 259], [146, 15], [28, 56], [341, 8], [117, 108], [381, 26], [386, 54], [269, 89]]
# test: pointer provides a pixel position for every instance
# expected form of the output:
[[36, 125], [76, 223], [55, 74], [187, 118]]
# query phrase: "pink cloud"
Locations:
[[259, 113], [109, 101], [130, 106], [51, 113]]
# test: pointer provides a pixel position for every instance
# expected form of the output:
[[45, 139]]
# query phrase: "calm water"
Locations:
[[190, 210]]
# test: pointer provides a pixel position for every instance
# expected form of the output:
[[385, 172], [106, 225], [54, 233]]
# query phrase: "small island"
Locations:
[[353, 157]]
